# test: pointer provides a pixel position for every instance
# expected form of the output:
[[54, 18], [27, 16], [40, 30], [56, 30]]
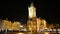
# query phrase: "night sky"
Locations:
[[18, 10]]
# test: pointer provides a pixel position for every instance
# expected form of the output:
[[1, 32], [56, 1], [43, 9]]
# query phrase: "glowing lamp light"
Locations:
[[46, 28], [46, 32], [20, 33], [21, 26]]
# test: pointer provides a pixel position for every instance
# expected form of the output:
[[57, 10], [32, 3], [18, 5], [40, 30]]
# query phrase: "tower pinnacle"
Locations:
[[32, 4]]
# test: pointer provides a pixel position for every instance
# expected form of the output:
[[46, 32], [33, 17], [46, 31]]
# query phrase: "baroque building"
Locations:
[[5, 24], [34, 23]]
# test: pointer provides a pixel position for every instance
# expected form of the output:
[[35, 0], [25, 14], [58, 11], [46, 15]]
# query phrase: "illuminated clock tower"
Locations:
[[32, 11], [34, 24]]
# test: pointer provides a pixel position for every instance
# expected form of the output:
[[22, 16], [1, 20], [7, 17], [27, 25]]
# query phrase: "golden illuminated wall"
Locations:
[[41, 24], [15, 25], [32, 25], [36, 24], [32, 11], [9, 25]]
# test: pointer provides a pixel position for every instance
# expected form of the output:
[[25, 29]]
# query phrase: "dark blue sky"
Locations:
[[18, 10]]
